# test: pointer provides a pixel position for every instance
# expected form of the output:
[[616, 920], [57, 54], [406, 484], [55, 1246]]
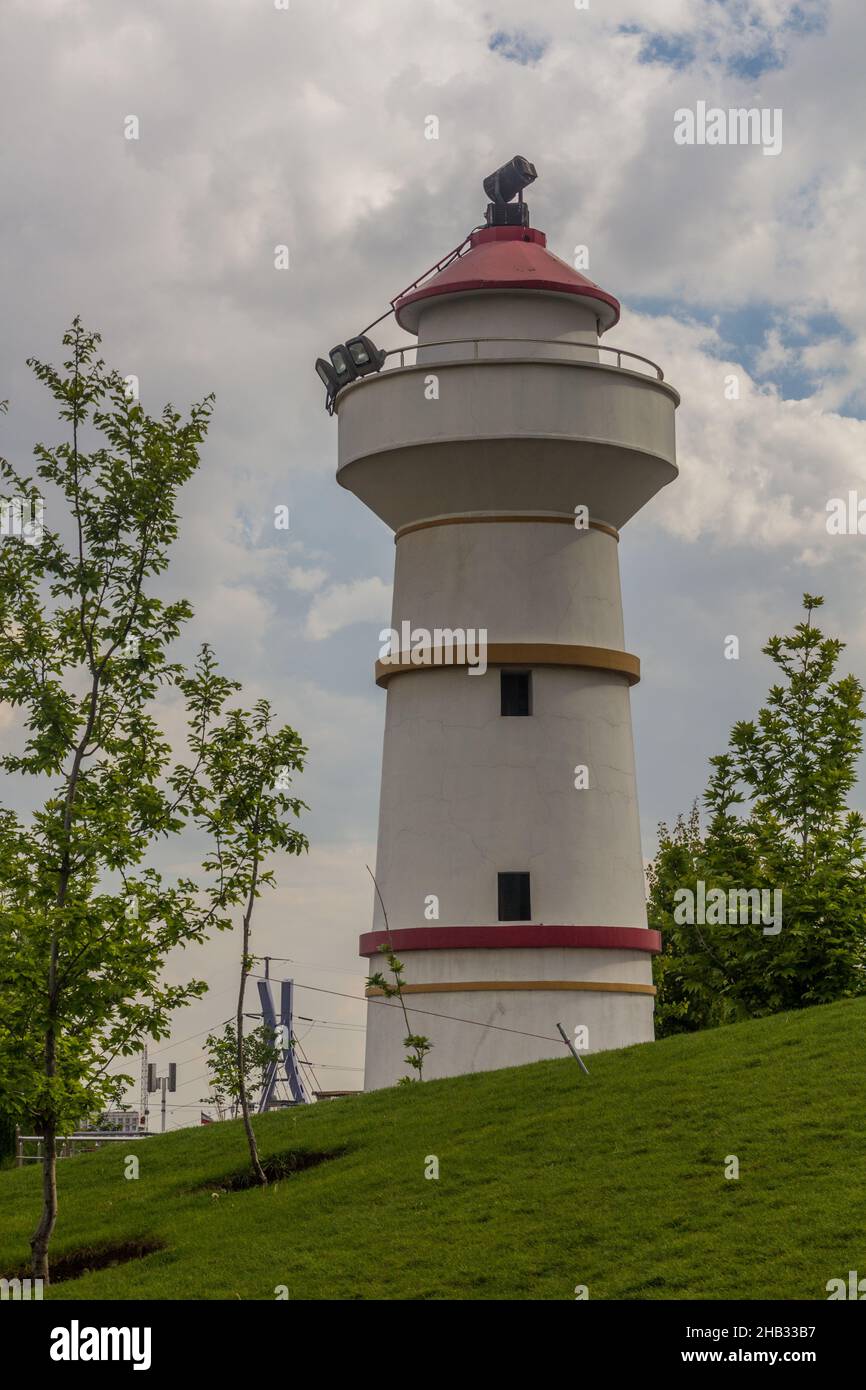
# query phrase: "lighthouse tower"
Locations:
[[506, 453]]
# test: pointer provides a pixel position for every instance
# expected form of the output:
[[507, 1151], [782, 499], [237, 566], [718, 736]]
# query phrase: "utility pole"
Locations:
[[156, 1083], [143, 1106]]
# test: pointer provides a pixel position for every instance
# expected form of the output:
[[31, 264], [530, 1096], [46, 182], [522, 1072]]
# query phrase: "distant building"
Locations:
[[119, 1122]]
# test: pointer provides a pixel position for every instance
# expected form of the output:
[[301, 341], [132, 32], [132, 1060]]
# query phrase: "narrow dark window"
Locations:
[[516, 692], [514, 898]]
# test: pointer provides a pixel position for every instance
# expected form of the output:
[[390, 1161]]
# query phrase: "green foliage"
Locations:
[[85, 923], [260, 1050], [243, 801], [245, 804], [84, 927], [777, 820]]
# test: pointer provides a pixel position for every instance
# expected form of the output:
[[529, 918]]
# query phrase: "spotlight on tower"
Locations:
[[344, 368], [504, 184], [366, 357], [357, 357], [327, 374], [329, 378]]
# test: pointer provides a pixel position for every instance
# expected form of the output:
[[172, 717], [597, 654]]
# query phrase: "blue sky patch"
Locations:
[[673, 50], [758, 47], [517, 46], [754, 64], [743, 334]]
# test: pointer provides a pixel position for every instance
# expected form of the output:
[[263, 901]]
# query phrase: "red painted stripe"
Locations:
[[513, 934]]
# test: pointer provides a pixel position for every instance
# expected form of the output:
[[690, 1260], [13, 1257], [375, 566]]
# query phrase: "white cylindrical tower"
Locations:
[[506, 458]]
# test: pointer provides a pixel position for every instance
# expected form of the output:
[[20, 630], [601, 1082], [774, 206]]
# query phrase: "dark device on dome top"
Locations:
[[504, 184]]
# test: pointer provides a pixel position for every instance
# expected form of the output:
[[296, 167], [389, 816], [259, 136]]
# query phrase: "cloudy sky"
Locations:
[[261, 125]]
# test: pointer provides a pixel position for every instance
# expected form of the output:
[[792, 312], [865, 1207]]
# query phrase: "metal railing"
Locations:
[[617, 353], [68, 1145]]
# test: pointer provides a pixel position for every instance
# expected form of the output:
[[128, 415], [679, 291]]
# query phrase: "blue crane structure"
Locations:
[[283, 1070]]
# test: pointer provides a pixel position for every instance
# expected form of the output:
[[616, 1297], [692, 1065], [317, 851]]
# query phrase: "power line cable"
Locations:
[[312, 965], [156, 1052], [381, 1003], [309, 1064], [427, 1013], [330, 1023]]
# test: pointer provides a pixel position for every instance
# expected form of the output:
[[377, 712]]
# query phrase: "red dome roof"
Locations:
[[508, 258]]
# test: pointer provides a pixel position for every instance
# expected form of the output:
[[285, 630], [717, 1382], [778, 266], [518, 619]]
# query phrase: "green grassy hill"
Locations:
[[548, 1179]]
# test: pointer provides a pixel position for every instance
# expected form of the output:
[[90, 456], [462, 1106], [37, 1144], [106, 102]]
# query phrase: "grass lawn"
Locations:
[[548, 1179]]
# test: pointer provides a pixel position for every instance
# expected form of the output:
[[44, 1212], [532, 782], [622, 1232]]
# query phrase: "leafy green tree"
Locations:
[[245, 805], [259, 1051], [85, 923], [778, 819]]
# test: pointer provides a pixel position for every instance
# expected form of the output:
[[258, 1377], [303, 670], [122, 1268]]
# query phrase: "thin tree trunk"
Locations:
[[242, 1086], [41, 1237], [396, 976]]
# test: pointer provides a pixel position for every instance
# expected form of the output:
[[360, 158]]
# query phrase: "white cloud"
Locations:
[[775, 353], [305, 580], [359, 601], [754, 471]]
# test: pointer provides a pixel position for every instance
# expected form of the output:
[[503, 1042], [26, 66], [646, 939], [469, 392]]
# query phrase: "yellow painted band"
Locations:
[[476, 986], [519, 654]]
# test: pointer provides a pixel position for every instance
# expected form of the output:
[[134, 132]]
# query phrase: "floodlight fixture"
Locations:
[[327, 374], [344, 367], [356, 358], [329, 378], [506, 183], [366, 357]]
